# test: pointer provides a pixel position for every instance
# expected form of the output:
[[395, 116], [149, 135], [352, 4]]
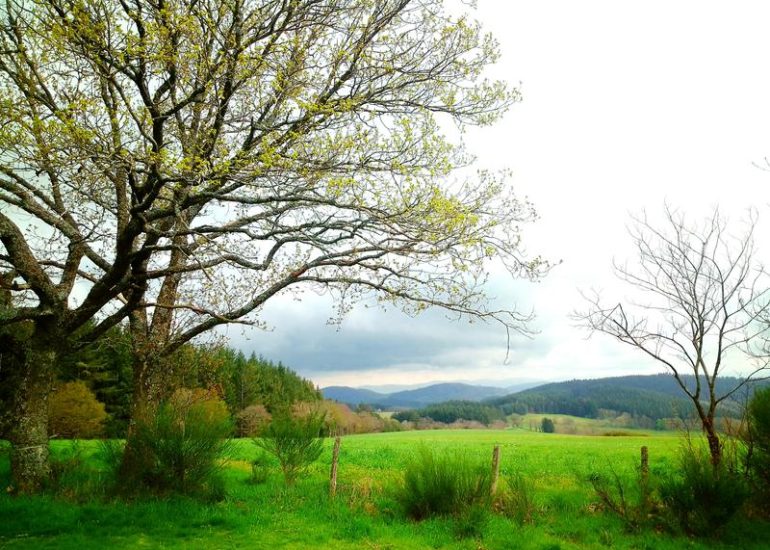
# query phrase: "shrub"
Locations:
[[341, 420], [110, 454], [758, 440], [703, 497], [252, 421], [204, 404], [74, 412], [178, 446], [260, 469], [630, 502], [296, 441], [338, 418], [547, 426], [440, 485]]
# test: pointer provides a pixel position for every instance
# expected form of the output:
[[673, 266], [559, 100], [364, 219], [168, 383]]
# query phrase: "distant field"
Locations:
[[364, 515], [575, 425]]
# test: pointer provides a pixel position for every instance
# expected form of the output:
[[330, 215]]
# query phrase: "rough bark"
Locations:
[[30, 466], [146, 396], [148, 384], [715, 445]]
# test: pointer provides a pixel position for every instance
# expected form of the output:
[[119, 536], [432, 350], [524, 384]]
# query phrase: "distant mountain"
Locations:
[[510, 385], [443, 392], [393, 388], [352, 396], [655, 396], [652, 397], [416, 398]]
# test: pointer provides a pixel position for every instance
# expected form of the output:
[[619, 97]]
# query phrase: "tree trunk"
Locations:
[[146, 396], [30, 467], [715, 445], [148, 386]]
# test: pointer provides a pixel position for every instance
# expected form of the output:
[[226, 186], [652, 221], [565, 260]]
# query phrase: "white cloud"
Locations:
[[625, 106]]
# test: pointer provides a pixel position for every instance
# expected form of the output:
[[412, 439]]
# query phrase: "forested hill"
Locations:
[[655, 396], [647, 398], [436, 393]]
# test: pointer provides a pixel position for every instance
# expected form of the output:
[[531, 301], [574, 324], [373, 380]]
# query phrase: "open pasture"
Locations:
[[364, 513]]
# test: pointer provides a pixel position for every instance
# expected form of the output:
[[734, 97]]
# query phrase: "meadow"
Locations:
[[364, 514]]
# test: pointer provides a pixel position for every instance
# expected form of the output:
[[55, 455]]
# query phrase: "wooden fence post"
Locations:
[[335, 460], [495, 469]]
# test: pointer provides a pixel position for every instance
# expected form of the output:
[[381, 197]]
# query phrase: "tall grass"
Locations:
[[517, 500], [442, 484]]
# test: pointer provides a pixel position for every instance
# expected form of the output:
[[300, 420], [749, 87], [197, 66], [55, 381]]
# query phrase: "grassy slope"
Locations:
[[363, 515]]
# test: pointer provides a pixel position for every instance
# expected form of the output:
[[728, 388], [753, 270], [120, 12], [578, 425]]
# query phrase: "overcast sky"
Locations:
[[626, 105]]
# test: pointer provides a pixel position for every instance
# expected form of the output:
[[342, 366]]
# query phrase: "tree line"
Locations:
[[453, 411], [240, 381], [597, 402]]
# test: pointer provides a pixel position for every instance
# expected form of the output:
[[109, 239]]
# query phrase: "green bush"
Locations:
[[442, 484], [296, 441], [260, 469], [702, 497], [630, 501], [177, 448], [251, 421], [110, 454], [75, 413], [547, 426], [758, 440]]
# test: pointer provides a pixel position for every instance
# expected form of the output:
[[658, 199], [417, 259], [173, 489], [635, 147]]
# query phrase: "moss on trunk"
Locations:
[[30, 466]]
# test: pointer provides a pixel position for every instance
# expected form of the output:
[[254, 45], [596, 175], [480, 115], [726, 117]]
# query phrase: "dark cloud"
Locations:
[[370, 338]]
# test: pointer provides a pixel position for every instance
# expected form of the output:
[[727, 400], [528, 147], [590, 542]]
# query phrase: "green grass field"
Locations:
[[364, 514]]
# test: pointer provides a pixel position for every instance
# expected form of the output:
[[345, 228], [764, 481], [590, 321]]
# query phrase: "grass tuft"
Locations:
[[442, 484]]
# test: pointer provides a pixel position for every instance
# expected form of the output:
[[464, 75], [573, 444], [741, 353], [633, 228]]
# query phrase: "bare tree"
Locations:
[[182, 162], [703, 299]]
